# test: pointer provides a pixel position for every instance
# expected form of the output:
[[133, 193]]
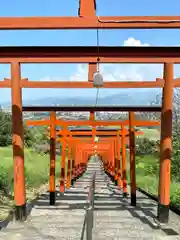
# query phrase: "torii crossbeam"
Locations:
[[87, 19]]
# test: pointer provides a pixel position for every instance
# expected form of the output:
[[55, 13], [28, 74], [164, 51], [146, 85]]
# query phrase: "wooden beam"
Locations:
[[92, 108], [91, 123], [102, 22], [89, 84], [88, 54], [98, 133], [25, 83]]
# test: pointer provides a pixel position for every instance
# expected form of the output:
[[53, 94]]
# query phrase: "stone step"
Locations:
[[97, 224], [60, 225], [2, 233], [123, 238], [110, 215], [101, 227], [115, 221], [168, 238], [131, 233], [63, 202], [45, 233], [71, 231], [72, 213], [59, 221], [31, 236], [61, 215]]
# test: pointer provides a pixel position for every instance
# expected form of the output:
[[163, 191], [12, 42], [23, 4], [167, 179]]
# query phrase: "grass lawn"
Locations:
[[151, 134], [147, 178], [36, 174]]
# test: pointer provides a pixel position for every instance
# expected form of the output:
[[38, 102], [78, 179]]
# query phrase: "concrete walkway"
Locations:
[[114, 218]]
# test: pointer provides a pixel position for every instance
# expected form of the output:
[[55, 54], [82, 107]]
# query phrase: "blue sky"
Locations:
[[107, 37]]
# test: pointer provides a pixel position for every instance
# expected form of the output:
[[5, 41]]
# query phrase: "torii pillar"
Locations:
[[18, 142], [166, 145], [132, 158], [52, 184]]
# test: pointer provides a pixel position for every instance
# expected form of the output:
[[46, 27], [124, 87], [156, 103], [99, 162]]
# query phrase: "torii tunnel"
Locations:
[[78, 145], [76, 162], [79, 150]]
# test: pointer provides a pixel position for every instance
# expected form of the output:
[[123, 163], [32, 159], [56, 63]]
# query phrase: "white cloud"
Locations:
[[49, 79], [111, 72], [117, 72], [134, 42], [121, 72], [46, 79], [80, 74]]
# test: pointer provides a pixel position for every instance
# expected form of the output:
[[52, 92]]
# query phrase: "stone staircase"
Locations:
[[114, 218]]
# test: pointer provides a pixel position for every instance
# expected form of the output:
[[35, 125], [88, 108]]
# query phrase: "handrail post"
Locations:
[[89, 223], [90, 209], [93, 193]]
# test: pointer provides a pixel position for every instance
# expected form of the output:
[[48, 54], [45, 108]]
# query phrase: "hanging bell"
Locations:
[[96, 139], [98, 80]]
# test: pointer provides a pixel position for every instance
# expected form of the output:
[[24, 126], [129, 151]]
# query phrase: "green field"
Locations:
[[36, 174], [151, 134], [147, 177]]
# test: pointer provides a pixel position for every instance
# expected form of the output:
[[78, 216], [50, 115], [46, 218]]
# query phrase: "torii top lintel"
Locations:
[[87, 19], [105, 108]]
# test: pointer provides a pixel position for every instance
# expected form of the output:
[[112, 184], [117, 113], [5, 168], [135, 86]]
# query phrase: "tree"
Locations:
[[175, 166], [176, 130], [30, 135], [176, 110], [152, 115], [5, 128]]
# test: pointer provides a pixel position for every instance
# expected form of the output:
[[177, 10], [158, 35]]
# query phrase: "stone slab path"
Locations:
[[114, 218]]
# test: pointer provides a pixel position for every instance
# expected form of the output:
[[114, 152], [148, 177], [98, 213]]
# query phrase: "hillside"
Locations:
[[134, 97]]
